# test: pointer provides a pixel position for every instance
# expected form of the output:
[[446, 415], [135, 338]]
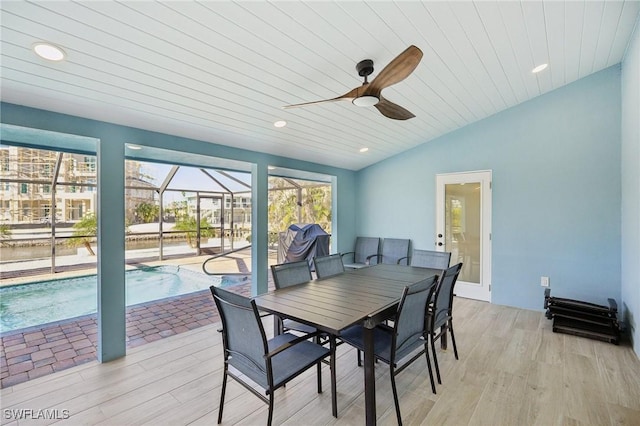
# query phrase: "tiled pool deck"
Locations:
[[41, 350]]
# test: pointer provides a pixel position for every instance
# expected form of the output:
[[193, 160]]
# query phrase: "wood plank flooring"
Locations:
[[512, 371]]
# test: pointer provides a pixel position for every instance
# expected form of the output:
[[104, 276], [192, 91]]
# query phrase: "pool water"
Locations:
[[33, 304]]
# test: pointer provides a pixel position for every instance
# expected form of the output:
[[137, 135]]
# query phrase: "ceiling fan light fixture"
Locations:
[[366, 101]]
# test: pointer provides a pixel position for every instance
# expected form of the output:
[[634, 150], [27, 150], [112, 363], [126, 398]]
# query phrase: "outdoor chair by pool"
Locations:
[[365, 249], [250, 358], [429, 259], [328, 266], [440, 313], [394, 251], [392, 345]]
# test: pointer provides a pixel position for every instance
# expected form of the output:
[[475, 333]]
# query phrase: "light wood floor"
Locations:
[[512, 371]]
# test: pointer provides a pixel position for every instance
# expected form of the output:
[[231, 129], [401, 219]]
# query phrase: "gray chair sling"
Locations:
[[440, 313], [365, 248], [430, 259], [328, 266], [394, 251], [285, 275], [392, 345], [268, 363]]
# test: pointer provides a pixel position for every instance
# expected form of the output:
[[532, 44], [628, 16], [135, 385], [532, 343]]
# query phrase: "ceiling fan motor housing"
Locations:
[[365, 67]]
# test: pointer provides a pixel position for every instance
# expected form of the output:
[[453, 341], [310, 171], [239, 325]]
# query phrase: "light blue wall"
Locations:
[[631, 187], [556, 191]]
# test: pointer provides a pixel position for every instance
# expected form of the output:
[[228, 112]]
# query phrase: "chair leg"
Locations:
[[271, 398], [319, 376], [395, 394], [453, 339], [426, 354], [359, 358], [222, 392], [277, 325], [435, 358]]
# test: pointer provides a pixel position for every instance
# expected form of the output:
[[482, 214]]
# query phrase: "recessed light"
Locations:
[[539, 68], [280, 123], [135, 147], [48, 51], [364, 149]]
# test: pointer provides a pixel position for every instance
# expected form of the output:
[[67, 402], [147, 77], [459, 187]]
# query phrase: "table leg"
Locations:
[[369, 377], [332, 366]]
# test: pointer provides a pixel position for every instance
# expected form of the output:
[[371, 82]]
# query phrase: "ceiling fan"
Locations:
[[370, 93]]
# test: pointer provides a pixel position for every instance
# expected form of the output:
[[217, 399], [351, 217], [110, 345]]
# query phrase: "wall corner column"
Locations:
[[259, 228], [111, 251]]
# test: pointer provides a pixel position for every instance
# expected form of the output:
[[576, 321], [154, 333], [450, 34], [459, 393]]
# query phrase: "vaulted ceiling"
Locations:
[[222, 71]]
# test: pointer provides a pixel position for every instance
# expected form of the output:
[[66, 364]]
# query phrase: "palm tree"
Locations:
[[84, 232]]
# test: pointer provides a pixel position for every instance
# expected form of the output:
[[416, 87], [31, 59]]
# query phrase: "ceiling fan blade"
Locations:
[[393, 111], [396, 71], [349, 96]]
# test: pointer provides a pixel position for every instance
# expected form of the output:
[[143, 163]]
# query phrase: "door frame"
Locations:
[[463, 289]]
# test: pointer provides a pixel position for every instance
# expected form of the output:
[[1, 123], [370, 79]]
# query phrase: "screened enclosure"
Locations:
[[48, 209]]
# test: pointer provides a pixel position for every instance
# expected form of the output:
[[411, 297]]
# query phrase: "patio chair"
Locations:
[[365, 249], [327, 266], [290, 274], [430, 259], [255, 360], [392, 345], [394, 251], [440, 312], [285, 275]]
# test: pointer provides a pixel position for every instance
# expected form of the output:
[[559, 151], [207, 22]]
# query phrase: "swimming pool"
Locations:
[[26, 305]]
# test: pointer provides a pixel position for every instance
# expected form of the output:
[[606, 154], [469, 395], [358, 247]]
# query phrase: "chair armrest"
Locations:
[[403, 258], [347, 253], [291, 343], [368, 261]]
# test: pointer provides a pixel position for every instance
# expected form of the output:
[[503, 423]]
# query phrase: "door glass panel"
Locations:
[[462, 228]]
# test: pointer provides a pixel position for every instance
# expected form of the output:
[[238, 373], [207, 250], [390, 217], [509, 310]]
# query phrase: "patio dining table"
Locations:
[[364, 296]]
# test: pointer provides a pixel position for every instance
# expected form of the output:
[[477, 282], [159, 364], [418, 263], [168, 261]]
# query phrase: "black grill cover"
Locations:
[[303, 241]]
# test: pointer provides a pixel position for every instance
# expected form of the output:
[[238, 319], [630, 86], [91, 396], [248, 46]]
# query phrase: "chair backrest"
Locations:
[[241, 331], [327, 266], [288, 274], [431, 259], [365, 247], [394, 249], [443, 297], [409, 325]]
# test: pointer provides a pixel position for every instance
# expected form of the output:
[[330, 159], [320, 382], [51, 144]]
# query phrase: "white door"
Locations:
[[463, 227]]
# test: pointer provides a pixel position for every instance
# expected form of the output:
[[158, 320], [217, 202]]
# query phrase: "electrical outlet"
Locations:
[[544, 281]]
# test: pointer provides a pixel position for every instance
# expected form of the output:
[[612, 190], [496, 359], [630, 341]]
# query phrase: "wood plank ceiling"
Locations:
[[221, 71]]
